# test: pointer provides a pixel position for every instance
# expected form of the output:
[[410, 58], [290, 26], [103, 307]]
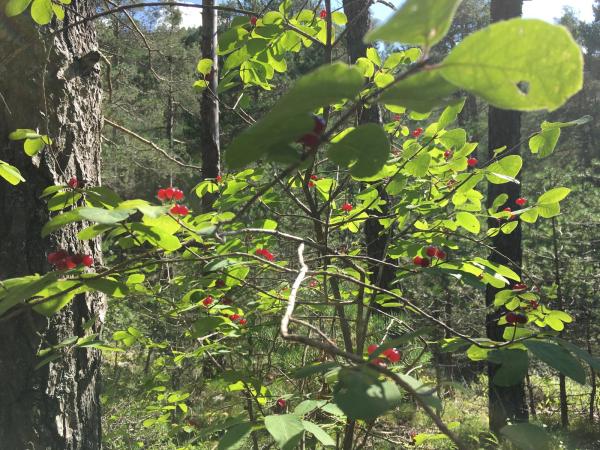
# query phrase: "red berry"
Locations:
[[417, 132], [219, 179], [371, 348], [180, 210], [511, 317], [397, 117], [242, 321], [69, 262], [323, 14], [420, 261], [534, 304], [379, 362], [87, 261], [177, 194], [392, 355], [441, 254], [472, 162], [281, 403], [313, 283], [448, 154], [431, 251], [169, 193], [220, 283], [521, 201], [347, 207], [265, 254], [162, 195], [57, 256], [207, 301], [314, 177], [311, 184], [235, 317], [73, 183], [519, 287], [253, 20]]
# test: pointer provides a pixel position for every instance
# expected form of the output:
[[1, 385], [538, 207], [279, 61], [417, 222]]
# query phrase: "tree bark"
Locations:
[[46, 86], [504, 128], [209, 104]]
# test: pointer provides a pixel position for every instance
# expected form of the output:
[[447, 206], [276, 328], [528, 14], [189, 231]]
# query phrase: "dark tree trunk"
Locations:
[[209, 104], [45, 86], [504, 128]]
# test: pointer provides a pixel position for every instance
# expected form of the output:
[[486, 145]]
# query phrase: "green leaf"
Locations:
[[33, 146], [419, 166], [104, 216], [364, 150], [527, 436], [468, 221], [513, 366], [16, 7], [420, 22], [235, 436], [557, 357], [41, 11], [553, 196], [206, 325], [319, 433], [286, 429], [451, 113], [312, 369], [15, 291], [204, 66], [290, 118], [10, 173], [544, 142], [521, 64], [505, 170], [339, 18], [420, 92], [109, 286], [361, 395], [593, 362], [59, 221]]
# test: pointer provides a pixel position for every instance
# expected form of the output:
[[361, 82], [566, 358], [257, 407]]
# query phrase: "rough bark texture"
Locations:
[[505, 403], [47, 86], [209, 104]]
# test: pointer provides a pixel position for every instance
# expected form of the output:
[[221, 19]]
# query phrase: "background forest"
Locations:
[[171, 381]]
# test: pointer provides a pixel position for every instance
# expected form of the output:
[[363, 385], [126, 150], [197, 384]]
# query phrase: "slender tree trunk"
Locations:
[[592, 407], [504, 128], [56, 406], [209, 104], [564, 405]]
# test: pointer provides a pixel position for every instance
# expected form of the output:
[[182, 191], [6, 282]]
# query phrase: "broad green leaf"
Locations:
[[420, 22], [286, 429], [456, 138], [592, 361], [10, 173], [206, 325], [361, 395], [290, 118], [104, 216], [319, 433], [307, 406], [425, 392], [548, 210], [19, 290], [41, 11], [339, 18], [513, 366], [204, 66], [527, 436], [59, 221], [235, 436], [450, 113], [468, 221], [363, 150], [49, 307], [504, 170], [420, 92], [557, 357], [544, 142], [33, 146], [553, 195], [14, 8], [521, 64], [312, 369], [419, 166], [109, 286]]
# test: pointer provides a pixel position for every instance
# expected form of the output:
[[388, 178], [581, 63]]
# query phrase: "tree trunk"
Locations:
[[504, 128], [47, 86], [209, 104]]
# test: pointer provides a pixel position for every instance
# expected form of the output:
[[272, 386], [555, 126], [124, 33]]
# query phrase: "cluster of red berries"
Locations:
[[391, 354], [519, 287], [431, 251], [472, 161], [238, 319], [311, 183], [521, 201], [513, 318], [265, 254], [73, 183], [253, 20], [323, 14], [62, 260], [417, 132], [347, 207], [313, 138], [170, 194]]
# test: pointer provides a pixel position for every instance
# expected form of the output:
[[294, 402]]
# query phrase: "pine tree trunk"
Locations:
[[209, 104], [504, 128], [47, 86]]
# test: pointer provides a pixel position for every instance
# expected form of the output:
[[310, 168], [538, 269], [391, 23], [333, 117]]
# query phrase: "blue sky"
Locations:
[[548, 10]]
